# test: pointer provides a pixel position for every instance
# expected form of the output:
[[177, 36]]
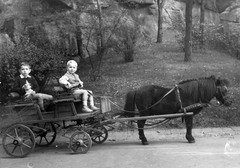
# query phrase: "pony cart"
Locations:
[[184, 100], [25, 126]]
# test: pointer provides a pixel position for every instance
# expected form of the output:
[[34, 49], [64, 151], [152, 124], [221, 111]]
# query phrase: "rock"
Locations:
[[231, 14], [13, 14]]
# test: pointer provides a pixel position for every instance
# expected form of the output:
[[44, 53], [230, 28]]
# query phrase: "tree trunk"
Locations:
[[79, 42], [160, 21], [202, 24], [100, 24], [188, 33]]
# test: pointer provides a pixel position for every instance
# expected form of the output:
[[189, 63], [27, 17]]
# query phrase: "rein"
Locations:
[[201, 100]]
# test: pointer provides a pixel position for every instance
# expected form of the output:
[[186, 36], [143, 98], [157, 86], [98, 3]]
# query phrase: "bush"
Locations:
[[126, 39], [219, 39], [43, 60]]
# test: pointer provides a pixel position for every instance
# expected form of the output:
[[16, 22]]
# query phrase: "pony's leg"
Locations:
[[189, 125], [142, 137]]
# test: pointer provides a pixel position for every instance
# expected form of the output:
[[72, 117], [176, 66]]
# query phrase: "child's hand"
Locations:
[[68, 85], [81, 84]]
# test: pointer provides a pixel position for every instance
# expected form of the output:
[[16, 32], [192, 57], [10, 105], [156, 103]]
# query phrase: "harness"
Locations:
[[187, 108], [220, 91], [203, 102]]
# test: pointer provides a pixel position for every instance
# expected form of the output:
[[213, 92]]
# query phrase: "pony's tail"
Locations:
[[129, 104]]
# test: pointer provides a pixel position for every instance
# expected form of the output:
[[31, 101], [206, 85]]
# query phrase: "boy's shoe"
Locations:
[[86, 109], [94, 108]]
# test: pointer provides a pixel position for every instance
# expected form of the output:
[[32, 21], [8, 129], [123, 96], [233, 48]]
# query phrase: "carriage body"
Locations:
[[24, 125]]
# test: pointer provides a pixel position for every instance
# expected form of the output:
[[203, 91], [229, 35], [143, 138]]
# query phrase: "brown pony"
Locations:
[[157, 100]]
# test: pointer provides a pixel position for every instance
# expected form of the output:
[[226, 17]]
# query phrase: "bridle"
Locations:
[[223, 99]]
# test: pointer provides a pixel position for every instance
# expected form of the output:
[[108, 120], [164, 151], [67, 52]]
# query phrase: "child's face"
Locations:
[[71, 68], [25, 70]]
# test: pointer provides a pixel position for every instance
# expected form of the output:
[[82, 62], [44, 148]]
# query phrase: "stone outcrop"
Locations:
[[16, 16]]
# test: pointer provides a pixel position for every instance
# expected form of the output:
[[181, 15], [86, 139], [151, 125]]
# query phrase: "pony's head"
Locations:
[[222, 90], [204, 89]]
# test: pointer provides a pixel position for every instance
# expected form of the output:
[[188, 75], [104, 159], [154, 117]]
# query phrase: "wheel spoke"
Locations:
[[9, 144], [46, 139], [81, 148], [37, 135], [26, 138], [14, 148], [21, 150], [85, 141], [16, 133], [26, 145], [85, 145], [10, 136], [40, 142]]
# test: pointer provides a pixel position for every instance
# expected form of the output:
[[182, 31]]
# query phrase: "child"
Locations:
[[27, 86], [72, 81]]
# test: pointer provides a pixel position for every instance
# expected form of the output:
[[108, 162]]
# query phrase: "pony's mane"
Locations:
[[202, 87], [196, 79], [188, 80]]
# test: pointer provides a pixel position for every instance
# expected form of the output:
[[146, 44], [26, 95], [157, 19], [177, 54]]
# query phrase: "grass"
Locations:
[[162, 64]]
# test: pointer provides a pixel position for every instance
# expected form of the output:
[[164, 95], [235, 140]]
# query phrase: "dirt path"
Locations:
[[214, 147]]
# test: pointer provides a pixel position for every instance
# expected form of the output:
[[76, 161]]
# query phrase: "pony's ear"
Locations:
[[218, 81]]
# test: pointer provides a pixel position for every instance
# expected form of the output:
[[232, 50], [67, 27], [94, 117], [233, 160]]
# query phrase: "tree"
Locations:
[[160, 4], [98, 34], [188, 32], [201, 28]]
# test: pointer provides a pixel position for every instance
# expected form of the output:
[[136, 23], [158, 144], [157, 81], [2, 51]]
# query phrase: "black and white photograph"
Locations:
[[119, 83]]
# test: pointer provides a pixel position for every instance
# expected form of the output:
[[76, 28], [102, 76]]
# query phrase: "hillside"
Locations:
[[163, 65]]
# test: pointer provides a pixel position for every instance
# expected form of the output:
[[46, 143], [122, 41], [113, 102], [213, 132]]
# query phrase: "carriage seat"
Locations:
[[15, 98], [62, 94]]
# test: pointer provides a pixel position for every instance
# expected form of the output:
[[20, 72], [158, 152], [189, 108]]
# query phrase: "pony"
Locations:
[[156, 100]]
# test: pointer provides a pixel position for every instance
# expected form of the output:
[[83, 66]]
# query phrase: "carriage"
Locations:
[[25, 126], [30, 127]]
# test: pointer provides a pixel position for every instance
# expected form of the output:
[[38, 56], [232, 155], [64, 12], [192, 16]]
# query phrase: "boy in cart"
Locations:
[[26, 85], [72, 82]]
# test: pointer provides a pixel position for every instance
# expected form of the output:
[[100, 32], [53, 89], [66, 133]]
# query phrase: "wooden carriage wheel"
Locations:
[[80, 142], [99, 134], [45, 133], [18, 141]]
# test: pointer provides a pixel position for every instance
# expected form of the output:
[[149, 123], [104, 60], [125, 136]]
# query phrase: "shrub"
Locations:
[[214, 37], [219, 39], [43, 60], [126, 39]]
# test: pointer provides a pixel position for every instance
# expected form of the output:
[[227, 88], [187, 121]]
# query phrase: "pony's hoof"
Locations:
[[145, 143], [191, 140]]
